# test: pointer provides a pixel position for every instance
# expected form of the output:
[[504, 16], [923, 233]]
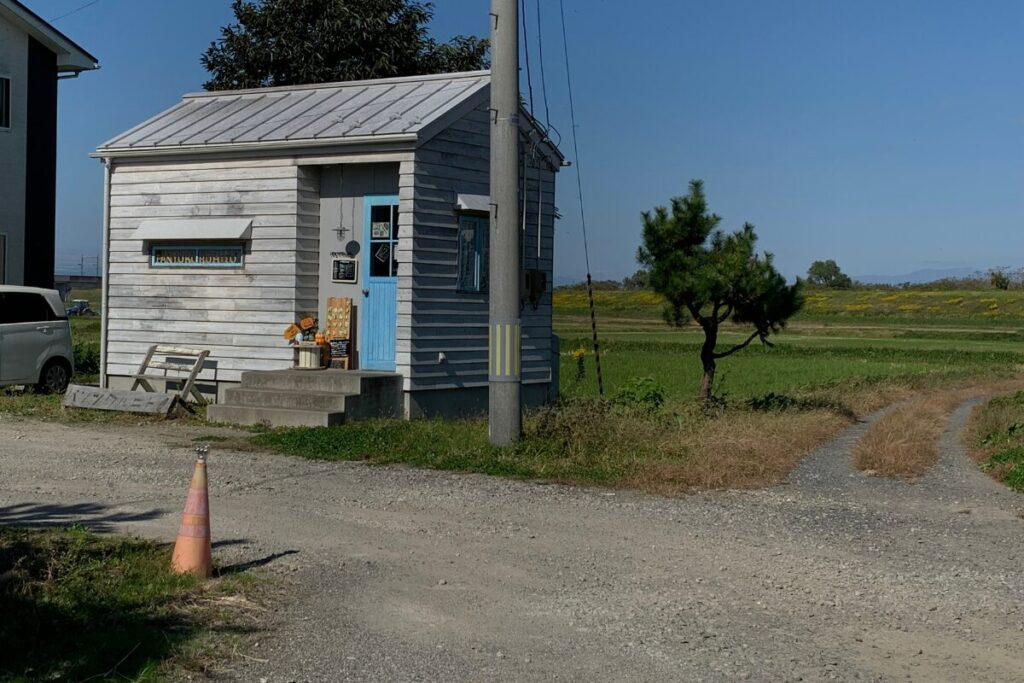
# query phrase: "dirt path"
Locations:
[[402, 574]]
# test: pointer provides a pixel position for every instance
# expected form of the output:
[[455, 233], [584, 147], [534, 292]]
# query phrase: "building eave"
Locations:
[[257, 146], [71, 57]]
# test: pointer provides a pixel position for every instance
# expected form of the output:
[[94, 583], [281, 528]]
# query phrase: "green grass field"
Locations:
[[81, 606], [843, 340]]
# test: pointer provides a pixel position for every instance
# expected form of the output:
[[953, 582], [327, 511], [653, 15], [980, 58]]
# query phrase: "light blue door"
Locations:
[[380, 283]]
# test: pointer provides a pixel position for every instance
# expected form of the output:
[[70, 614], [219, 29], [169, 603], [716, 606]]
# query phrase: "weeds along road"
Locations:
[[399, 574]]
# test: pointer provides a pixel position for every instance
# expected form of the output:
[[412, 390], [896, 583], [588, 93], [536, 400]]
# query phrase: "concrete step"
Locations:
[[335, 381], [275, 417], [285, 398]]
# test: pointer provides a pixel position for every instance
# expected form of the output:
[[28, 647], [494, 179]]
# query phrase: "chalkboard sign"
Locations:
[[340, 348], [344, 270]]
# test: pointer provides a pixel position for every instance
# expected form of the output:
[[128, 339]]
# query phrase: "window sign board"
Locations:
[[344, 270], [380, 230], [187, 256]]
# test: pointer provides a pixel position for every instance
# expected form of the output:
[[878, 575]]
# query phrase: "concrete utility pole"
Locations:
[[504, 407]]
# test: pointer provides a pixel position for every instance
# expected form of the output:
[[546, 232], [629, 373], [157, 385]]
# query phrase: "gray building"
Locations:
[[33, 57], [234, 213]]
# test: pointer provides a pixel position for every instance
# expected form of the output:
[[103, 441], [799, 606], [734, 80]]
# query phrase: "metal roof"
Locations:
[[293, 116]]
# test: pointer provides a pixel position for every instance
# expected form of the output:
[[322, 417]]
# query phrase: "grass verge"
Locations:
[[591, 442], [905, 441], [995, 436], [79, 606]]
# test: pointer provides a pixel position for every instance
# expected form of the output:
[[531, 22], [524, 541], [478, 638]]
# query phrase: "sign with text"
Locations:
[[95, 398], [344, 270], [175, 256]]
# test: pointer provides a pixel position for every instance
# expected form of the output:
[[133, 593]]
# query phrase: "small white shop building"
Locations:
[[233, 214]]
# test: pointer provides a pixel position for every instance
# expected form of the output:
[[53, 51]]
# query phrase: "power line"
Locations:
[[579, 190], [526, 45], [74, 11], [540, 53]]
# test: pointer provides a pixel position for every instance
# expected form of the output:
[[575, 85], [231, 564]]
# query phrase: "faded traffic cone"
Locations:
[[192, 549]]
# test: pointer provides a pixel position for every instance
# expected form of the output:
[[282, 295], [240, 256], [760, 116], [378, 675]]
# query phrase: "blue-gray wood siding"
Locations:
[[434, 317]]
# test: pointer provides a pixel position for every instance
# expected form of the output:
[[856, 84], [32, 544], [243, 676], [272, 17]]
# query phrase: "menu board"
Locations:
[[341, 348], [344, 270]]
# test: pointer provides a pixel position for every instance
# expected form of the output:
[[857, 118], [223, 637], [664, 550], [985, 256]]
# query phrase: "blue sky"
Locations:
[[885, 135]]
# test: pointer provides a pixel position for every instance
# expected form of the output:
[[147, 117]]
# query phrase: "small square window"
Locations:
[[5, 102], [474, 265]]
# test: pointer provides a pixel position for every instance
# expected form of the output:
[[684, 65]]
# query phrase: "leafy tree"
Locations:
[[711, 277], [828, 274], [290, 42], [638, 280]]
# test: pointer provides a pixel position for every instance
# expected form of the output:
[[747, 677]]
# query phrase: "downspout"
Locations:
[[105, 286]]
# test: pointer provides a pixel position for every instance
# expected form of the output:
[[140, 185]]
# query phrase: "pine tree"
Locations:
[[711, 277]]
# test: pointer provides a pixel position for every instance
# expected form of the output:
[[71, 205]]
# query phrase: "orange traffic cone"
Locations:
[[192, 548]]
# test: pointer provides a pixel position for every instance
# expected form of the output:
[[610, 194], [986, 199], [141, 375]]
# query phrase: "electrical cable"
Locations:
[[74, 11], [526, 46], [543, 80], [579, 189]]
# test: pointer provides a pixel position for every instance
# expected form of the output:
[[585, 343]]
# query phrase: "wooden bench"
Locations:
[[187, 362]]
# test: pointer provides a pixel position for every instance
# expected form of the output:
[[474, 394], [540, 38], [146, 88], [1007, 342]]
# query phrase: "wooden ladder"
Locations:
[[191, 363]]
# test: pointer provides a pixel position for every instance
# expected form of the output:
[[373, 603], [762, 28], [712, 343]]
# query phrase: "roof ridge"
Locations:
[[338, 84]]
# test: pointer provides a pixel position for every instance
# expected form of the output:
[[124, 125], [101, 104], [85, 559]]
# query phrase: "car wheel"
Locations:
[[54, 378]]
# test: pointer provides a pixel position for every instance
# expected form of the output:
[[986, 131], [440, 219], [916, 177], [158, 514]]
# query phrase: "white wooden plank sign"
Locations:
[[119, 400]]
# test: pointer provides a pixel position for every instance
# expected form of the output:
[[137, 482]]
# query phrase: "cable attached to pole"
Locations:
[[583, 214]]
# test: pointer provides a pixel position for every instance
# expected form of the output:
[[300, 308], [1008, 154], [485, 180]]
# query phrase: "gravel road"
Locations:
[[406, 575]]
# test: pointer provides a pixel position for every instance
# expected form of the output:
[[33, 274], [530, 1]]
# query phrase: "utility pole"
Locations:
[[505, 418]]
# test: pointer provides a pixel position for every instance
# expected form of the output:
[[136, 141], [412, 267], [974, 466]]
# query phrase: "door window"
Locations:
[[384, 240], [24, 307]]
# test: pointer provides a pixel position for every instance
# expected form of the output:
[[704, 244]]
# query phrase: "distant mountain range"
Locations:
[[920, 276]]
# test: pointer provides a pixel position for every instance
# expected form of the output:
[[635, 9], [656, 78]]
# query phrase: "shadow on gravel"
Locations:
[[95, 516], [252, 564]]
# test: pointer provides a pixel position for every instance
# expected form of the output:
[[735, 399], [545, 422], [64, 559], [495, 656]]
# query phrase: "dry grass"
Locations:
[[737, 450], [904, 442]]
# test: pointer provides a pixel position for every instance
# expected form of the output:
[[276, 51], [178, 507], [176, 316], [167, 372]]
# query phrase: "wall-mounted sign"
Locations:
[[187, 256], [344, 270]]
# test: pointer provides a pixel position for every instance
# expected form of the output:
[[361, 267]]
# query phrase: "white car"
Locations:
[[35, 339]]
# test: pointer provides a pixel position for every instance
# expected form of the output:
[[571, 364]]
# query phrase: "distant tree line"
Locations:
[[828, 275]]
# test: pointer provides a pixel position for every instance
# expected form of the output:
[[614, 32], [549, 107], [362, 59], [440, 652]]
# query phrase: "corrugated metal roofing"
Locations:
[[321, 113]]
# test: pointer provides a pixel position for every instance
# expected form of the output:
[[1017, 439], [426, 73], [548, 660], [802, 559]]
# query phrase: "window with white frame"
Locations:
[[473, 254], [5, 102]]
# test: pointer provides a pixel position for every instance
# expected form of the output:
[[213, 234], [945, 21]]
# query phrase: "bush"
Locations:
[[771, 402], [87, 358], [640, 393]]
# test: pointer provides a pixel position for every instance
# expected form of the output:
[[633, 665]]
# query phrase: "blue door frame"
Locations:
[[380, 284]]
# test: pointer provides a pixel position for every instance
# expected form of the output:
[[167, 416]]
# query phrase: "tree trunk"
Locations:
[[707, 359]]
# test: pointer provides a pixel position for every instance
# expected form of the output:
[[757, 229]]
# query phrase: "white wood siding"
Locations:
[[237, 314], [433, 316]]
